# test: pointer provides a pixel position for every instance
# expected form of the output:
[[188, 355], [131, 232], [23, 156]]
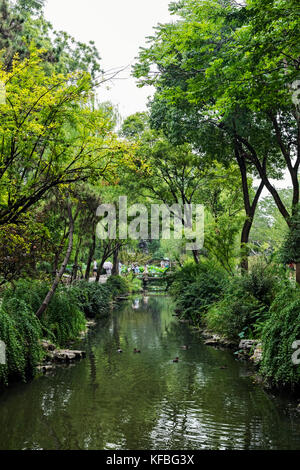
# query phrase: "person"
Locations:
[[108, 267], [120, 268], [162, 264], [145, 277], [95, 268]]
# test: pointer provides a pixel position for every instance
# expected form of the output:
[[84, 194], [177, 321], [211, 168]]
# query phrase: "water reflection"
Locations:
[[145, 401]]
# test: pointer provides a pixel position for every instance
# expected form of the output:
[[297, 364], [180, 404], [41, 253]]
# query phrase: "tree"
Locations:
[[49, 136], [21, 245], [209, 68], [23, 23], [269, 227], [171, 174], [60, 273]]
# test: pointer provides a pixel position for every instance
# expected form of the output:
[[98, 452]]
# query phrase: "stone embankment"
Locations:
[[247, 349], [55, 356]]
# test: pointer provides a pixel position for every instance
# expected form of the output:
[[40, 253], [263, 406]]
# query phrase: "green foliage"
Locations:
[[226, 78], [280, 331], [235, 315], [196, 287], [20, 245], [63, 317], [117, 285], [290, 251], [134, 283], [269, 227], [23, 23], [63, 320], [94, 298], [244, 306], [134, 125], [262, 282], [51, 134], [21, 332]]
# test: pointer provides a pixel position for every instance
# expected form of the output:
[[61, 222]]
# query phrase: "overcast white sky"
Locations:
[[119, 28]]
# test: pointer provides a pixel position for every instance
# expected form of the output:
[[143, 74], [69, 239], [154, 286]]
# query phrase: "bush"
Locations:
[[134, 283], [244, 307], [262, 282], [94, 298], [196, 287], [21, 331], [237, 314], [117, 285], [63, 319], [280, 331]]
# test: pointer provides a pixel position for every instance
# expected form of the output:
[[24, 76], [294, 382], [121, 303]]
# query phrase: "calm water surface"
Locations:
[[145, 401]]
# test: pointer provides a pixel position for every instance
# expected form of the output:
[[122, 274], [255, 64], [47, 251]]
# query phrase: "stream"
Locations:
[[111, 400]]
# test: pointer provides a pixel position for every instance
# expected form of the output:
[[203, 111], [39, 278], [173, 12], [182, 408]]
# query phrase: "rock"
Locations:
[[257, 354], [250, 349], [247, 344], [63, 356], [207, 334], [79, 354], [45, 368], [47, 345], [212, 342], [216, 340], [67, 355]]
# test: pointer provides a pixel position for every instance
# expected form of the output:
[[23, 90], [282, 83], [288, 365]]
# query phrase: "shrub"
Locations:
[[280, 331], [63, 319], [196, 287], [21, 331], [94, 298], [134, 283], [117, 285], [262, 282], [236, 315], [244, 307]]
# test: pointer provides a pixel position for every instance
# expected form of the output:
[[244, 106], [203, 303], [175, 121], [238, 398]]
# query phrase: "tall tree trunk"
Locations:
[[249, 207], [75, 265], [298, 273], [90, 258], [244, 246], [115, 269], [55, 264], [196, 256], [59, 275], [100, 267]]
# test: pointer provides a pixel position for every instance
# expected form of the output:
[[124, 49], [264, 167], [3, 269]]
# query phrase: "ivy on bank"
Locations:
[[64, 319]]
